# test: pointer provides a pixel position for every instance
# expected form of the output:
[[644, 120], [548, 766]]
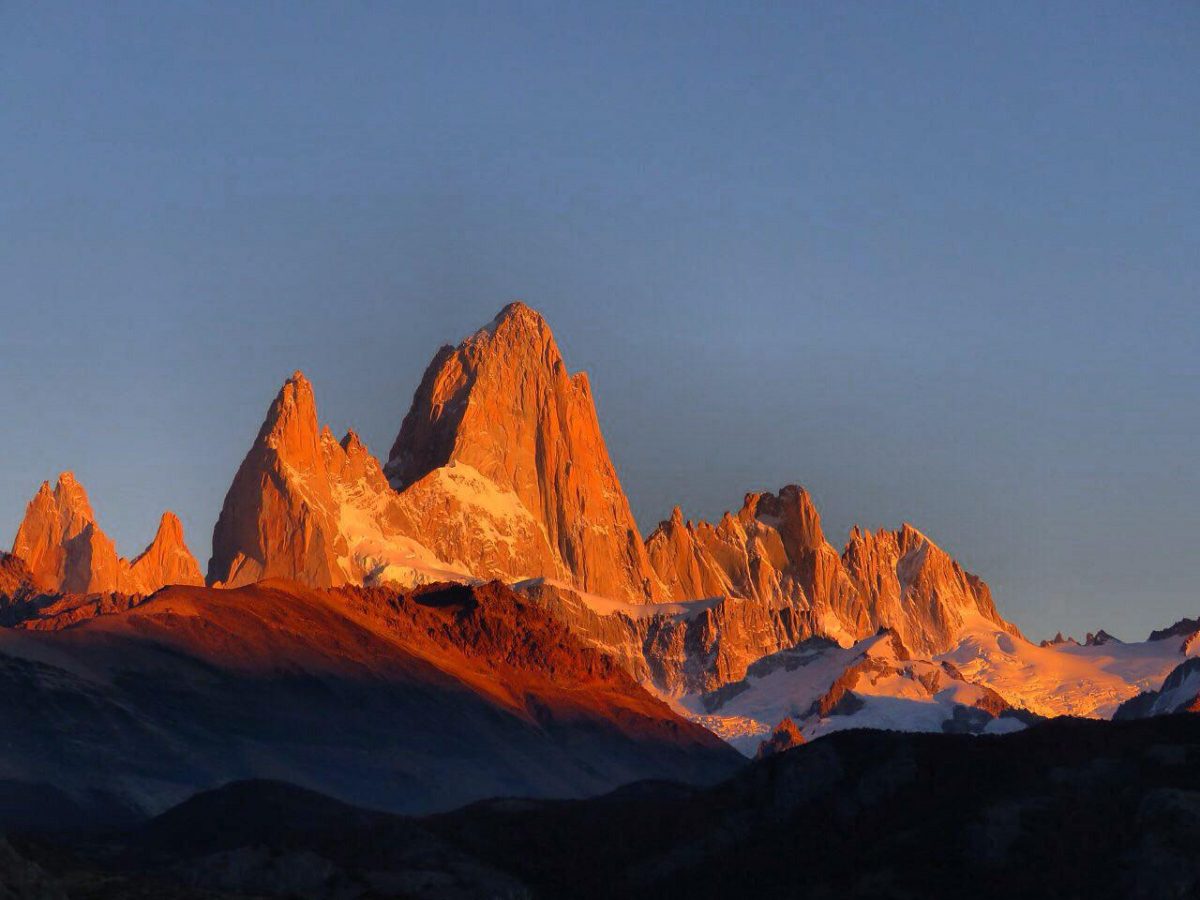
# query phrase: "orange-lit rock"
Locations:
[[500, 471], [785, 736], [167, 560], [65, 551], [503, 403], [15, 581], [279, 517], [775, 552], [310, 508]]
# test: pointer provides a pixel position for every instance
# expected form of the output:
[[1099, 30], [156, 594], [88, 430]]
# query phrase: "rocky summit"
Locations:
[[480, 616], [64, 550], [500, 470], [503, 403]]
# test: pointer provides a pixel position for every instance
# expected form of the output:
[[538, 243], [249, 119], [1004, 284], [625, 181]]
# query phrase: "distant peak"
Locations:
[[518, 310], [352, 443], [519, 318], [169, 526], [1099, 639], [69, 494], [293, 413]]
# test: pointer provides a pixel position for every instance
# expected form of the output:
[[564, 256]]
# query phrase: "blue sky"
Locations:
[[937, 262]]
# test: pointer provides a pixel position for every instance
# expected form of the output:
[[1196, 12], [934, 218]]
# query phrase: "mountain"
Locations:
[[1180, 693], [307, 507], [820, 687], [1068, 808], [500, 471], [405, 701], [65, 551], [786, 736], [767, 579], [1066, 678], [503, 403], [166, 561], [774, 551]]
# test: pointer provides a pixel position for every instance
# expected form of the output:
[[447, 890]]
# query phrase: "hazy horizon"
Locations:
[[936, 267]]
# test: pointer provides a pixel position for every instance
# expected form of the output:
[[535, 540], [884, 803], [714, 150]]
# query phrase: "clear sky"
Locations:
[[937, 262]]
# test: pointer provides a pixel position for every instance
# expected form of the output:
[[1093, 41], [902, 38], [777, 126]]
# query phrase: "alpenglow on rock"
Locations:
[[307, 507], [774, 551], [503, 403], [65, 551], [500, 471]]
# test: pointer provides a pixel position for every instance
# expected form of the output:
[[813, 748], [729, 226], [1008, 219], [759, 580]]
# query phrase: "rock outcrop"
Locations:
[[307, 507], [166, 561], [679, 648], [774, 551], [65, 551], [1184, 628], [503, 403], [500, 471], [786, 736], [279, 519], [16, 583]]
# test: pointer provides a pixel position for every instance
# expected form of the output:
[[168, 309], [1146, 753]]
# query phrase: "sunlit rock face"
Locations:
[[307, 507], [166, 561], [677, 648], [503, 403], [279, 519], [16, 583], [64, 550], [786, 736], [500, 471], [774, 551]]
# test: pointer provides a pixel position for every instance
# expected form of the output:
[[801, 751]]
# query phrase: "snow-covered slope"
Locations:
[[1180, 692], [1064, 678], [823, 687]]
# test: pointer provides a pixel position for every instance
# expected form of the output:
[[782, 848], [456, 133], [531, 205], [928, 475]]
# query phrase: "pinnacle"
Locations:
[[518, 309], [169, 522], [518, 314]]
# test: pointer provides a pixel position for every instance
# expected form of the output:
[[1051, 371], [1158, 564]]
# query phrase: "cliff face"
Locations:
[[65, 551], [500, 471], [773, 551], [307, 507], [503, 403], [279, 519], [166, 561]]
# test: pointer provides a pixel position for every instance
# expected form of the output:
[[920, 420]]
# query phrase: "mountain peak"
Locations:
[[518, 312], [290, 427], [785, 736], [64, 549], [167, 560], [278, 516], [71, 498], [503, 402], [169, 528]]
